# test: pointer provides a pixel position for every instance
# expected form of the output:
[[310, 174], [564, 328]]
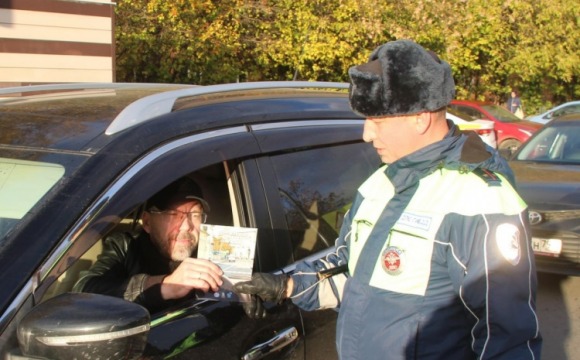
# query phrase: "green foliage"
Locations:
[[177, 41], [492, 45]]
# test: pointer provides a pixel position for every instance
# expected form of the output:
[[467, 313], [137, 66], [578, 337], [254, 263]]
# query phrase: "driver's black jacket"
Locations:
[[130, 268]]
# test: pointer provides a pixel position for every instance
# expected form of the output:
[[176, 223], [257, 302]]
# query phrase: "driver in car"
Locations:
[[159, 265]]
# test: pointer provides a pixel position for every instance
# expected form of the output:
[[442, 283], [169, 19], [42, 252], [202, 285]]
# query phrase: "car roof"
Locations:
[[567, 103], [558, 107], [86, 117], [67, 116]]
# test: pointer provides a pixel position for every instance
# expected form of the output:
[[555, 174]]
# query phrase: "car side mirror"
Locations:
[[83, 326]]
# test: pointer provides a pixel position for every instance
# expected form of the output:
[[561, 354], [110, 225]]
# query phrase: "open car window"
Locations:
[[214, 183]]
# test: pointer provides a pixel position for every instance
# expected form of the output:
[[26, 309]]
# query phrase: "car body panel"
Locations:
[[484, 128], [510, 130], [549, 182], [47, 118]]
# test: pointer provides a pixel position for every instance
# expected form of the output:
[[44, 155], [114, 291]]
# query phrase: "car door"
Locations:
[[274, 197], [192, 327], [310, 171], [237, 166]]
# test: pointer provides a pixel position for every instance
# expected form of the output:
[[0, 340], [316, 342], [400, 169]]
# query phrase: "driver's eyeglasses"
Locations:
[[178, 215]]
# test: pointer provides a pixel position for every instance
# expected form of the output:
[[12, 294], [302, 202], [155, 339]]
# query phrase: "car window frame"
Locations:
[[569, 109], [298, 135], [194, 308], [111, 198], [470, 110]]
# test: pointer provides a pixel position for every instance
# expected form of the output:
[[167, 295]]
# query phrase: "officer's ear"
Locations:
[[423, 122]]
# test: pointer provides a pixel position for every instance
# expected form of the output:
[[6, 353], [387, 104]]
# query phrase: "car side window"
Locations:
[[317, 187], [474, 113], [213, 182], [572, 109]]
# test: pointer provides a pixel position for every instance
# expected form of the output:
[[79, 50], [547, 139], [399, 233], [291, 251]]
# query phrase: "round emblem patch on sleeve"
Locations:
[[507, 237]]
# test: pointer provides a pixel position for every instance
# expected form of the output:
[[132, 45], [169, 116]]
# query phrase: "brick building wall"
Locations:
[[56, 41]]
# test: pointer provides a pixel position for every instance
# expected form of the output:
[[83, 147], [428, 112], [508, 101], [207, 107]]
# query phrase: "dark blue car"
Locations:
[[547, 170], [78, 161]]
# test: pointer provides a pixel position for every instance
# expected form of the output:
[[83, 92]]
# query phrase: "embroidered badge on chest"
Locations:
[[507, 237], [393, 260]]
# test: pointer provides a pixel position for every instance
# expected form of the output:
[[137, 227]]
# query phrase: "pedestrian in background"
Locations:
[[437, 242], [514, 104]]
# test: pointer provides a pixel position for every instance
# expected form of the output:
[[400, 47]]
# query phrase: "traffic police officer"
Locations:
[[437, 242]]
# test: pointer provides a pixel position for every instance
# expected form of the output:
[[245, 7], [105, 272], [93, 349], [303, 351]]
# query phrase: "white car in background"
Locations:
[[571, 107], [484, 128]]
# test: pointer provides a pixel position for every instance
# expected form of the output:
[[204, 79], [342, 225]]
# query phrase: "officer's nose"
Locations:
[[369, 130]]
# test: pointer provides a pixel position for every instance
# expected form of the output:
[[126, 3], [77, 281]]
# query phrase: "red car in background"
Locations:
[[511, 131]]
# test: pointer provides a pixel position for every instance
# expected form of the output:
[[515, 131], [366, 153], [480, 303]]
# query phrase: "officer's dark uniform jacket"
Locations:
[[129, 268], [440, 265]]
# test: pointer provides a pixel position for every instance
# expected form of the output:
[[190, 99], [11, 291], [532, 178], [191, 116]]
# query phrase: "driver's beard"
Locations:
[[181, 251]]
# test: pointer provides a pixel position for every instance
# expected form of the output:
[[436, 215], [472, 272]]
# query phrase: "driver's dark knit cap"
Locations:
[[180, 191]]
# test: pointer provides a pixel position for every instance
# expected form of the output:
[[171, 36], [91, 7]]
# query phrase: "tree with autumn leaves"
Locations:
[[492, 46]]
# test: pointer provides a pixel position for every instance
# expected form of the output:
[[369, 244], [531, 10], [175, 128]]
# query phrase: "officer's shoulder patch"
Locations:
[[507, 237], [488, 176]]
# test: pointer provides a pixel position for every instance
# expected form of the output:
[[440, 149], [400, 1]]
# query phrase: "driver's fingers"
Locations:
[[204, 271]]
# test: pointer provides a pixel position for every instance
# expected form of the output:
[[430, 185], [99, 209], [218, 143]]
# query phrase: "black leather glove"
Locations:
[[262, 287], [254, 307]]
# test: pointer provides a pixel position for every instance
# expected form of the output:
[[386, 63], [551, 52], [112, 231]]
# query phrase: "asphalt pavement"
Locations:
[[558, 305]]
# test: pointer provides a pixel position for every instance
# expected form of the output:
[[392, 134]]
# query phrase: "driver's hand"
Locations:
[[192, 273]]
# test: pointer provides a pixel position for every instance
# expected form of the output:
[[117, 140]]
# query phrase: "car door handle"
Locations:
[[282, 339]]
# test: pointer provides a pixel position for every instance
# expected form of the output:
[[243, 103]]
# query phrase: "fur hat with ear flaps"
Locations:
[[401, 78]]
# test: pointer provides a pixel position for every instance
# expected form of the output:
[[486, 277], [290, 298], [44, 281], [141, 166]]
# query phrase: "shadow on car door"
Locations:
[[221, 330]]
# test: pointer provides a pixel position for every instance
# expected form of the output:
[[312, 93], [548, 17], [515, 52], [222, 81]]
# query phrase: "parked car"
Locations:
[[484, 128], [547, 171], [511, 131], [78, 161], [571, 107]]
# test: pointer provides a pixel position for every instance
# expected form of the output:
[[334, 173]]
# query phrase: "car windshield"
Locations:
[[501, 113], [26, 178], [559, 143]]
